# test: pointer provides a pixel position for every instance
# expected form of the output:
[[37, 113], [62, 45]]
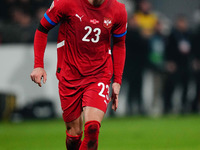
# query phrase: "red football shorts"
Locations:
[[73, 99]]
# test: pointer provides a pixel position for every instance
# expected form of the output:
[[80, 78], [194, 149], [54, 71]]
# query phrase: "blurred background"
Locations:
[[162, 71], [161, 78]]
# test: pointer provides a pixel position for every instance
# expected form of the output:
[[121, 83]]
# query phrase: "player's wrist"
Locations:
[[117, 80], [38, 66]]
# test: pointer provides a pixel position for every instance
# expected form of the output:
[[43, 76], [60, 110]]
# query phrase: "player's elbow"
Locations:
[[42, 29], [119, 42]]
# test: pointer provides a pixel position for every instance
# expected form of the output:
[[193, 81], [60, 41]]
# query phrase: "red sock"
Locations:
[[73, 142], [91, 133]]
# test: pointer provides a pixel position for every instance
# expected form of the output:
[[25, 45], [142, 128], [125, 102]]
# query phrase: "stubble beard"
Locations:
[[97, 3]]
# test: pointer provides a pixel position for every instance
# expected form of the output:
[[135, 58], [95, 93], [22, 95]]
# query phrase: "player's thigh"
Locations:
[[92, 113], [71, 102], [95, 100]]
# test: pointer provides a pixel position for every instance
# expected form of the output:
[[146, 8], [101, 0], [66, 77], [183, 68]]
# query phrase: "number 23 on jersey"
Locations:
[[89, 30]]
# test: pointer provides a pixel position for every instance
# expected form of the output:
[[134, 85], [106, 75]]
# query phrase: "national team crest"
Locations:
[[107, 22]]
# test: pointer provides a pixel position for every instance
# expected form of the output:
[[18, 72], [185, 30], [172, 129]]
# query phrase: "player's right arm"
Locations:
[[51, 18], [118, 53]]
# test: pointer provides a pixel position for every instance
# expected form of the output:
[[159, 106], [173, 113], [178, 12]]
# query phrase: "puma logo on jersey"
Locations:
[[79, 17], [94, 21], [107, 23]]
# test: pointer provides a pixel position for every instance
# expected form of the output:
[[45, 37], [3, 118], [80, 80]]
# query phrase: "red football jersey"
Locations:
[[84, 52]]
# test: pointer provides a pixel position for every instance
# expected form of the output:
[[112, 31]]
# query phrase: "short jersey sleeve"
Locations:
[[120, 25], [56, 12]]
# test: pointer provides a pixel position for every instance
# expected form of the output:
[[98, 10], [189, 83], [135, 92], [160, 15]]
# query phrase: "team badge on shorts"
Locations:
[[107, 22]]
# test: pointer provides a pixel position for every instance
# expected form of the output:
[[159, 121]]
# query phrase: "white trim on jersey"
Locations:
[[61, 44], [109, 51]]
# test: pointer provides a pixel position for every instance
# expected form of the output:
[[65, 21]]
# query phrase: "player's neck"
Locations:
[[96, 3]]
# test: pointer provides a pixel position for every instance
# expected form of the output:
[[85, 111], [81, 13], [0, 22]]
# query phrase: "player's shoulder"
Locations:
[[118, 6], [63, 6], [64, 2]]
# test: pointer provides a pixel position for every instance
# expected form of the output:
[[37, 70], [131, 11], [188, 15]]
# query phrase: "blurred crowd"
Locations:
[[173, 60], [172, 56], [19, 19]]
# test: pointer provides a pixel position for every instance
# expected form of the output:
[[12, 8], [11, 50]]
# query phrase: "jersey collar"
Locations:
[[93, 7]]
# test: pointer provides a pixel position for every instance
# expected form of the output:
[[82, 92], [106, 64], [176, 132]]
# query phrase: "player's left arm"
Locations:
[[119, 54]]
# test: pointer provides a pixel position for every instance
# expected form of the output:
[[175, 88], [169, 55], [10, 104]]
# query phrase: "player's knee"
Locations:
[[93, 129], [74, 129]]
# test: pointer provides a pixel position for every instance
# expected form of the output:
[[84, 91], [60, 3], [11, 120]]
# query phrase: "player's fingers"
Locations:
[[39, 84], [44, 78], [38, 80], [116, 102], [111, 98], [32, 78], [113, 104]]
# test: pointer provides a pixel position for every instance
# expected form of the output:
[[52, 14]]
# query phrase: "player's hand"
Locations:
[[115, 95], [37, 75]]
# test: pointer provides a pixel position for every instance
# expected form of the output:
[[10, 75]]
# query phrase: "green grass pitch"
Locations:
[[130, 133]]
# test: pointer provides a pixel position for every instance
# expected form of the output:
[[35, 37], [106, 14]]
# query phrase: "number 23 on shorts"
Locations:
[[104, 92]]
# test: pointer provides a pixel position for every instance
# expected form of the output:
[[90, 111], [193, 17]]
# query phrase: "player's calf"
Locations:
[[73, 142], [74, 134], [91, 133]]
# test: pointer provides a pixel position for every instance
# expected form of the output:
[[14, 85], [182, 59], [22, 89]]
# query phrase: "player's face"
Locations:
[[96, 3]]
